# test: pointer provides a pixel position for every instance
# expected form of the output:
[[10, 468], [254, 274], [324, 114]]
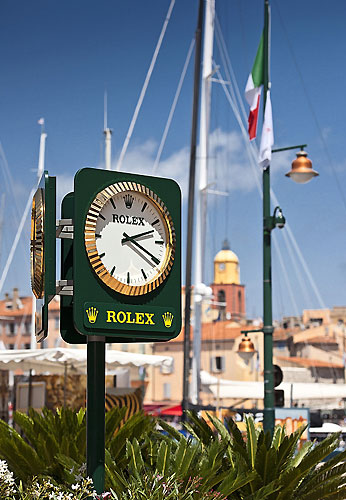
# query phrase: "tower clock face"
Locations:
[[130, 238]]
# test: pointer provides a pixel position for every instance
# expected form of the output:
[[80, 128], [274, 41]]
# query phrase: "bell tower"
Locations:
[[228, 293]]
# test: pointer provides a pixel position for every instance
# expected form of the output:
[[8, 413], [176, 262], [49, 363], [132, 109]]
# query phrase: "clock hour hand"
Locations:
[[132, 240], [124, 240]]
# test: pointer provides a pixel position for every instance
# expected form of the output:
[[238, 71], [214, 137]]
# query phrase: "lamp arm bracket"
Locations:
[[278, 150], [251, 331], [266, 329]]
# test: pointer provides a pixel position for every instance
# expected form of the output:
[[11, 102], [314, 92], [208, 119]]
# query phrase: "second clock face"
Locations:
[[134, 239]]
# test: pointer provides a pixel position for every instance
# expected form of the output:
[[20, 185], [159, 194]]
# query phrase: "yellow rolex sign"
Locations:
[[100, 315]]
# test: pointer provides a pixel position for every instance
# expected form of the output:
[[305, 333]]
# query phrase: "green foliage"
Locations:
[[215, 461], [280, 471]]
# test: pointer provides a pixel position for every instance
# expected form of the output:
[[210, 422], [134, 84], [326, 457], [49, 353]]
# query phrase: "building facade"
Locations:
[[15, 322]]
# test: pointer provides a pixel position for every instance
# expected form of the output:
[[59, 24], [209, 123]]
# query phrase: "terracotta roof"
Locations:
[[318, 340], [282, 333], [318, 363], [25, 310], [219, 330]]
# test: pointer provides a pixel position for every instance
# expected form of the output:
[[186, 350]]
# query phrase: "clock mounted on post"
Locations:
[[127, 256], [130, 238]]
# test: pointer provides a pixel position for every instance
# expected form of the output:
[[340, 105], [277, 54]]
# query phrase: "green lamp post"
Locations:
[[301, 172]]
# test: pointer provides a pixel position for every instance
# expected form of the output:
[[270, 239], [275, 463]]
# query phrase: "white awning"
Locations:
[[237, 389], [54, 360]]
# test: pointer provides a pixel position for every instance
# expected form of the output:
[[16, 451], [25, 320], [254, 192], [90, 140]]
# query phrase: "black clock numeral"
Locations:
[[102, 255], [128, 278], [113, 204], [159, 242], [144, 206], [98, 236], [155, 222], [112, 271], [101, 216], [144, 275]]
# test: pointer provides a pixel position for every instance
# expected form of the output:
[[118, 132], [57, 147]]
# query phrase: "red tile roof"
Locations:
[[25, 309], [306, 362], [318, 340], [219, 330]]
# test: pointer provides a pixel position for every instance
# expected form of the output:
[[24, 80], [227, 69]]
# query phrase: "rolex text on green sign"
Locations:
[[108, 316]]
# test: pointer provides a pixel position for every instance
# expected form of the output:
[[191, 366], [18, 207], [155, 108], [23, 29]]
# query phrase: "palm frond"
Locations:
[[251, 440]]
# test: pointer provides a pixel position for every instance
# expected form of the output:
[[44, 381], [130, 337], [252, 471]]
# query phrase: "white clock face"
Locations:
[[133, 240]]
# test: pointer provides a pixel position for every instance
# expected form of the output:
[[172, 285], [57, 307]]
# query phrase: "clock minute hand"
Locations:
[[130, 238], [124, 240]]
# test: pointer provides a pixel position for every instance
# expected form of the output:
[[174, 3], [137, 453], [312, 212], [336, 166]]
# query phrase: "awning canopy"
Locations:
[[56, 359], [237, 389]]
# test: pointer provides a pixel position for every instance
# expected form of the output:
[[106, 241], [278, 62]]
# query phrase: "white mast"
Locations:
[[200, 289], [108, 137], [40, 170]]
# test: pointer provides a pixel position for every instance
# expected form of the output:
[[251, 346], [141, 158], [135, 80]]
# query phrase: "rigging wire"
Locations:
[[302, 259], [9, 182], [145, 86], [312, 110], [11, 189], [231, 77], [174, 104], [251, 150], [254, 161], [17, 237]]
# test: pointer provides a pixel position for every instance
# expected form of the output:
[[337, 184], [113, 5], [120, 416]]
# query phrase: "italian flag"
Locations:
[[253, 90], [267, 138]]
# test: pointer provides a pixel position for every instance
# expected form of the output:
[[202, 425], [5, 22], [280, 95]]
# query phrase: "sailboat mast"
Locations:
[[43, 137], [208, 39], [191, 208], [108, 137], [201, 215]]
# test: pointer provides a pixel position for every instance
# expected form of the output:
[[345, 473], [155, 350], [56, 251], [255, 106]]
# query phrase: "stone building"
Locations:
[[15, 322]]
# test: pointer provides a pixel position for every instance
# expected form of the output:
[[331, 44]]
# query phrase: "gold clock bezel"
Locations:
[[37, 244], [90, 239]]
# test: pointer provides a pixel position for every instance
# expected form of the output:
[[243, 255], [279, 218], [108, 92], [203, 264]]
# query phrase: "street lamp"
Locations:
[[246, 349], [301, 172]]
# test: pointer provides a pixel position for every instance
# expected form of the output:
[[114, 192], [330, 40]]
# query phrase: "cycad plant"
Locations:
[[173, 466], [47, 440], [279, 471], [145, 461]]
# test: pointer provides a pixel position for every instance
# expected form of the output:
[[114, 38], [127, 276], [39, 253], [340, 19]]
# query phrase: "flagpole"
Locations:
[[269, 412]]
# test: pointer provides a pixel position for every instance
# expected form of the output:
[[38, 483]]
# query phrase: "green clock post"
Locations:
[[126, 276]]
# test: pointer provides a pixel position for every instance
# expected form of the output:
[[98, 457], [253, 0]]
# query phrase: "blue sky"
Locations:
[[57, 60]]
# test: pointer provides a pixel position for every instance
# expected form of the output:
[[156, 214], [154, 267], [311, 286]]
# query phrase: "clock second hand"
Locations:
[[124, 240], [132, 240]]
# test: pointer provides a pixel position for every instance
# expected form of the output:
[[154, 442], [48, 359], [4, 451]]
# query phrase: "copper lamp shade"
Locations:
[[302, 171], [246, 348]]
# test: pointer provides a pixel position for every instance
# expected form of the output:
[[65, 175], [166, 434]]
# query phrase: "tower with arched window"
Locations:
[[229, 294]]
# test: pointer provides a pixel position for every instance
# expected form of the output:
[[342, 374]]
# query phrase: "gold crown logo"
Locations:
[[168, 319], [128, 200], [92, 313]]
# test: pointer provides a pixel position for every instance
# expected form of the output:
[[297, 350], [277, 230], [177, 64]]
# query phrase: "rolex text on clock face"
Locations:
[[130, 239]]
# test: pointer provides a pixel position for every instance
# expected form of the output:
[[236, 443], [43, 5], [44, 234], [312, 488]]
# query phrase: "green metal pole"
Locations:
[[268, 417], [96, 355]]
